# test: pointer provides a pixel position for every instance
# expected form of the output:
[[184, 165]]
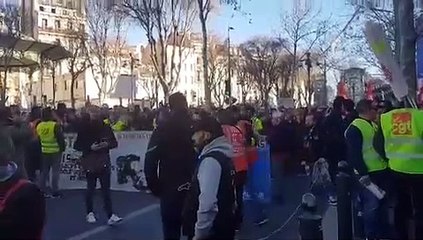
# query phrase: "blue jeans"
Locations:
[[375, 215]]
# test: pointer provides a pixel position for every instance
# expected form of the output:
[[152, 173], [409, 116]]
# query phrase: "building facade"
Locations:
[[57, 20]]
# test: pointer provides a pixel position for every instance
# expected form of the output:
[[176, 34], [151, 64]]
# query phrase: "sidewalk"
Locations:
[[283, 223], [278, 226]]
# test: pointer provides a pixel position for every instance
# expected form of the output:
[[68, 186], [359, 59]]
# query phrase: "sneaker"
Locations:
[[91, 218], [333, 201], [47, 195], [114, 219], [261, 221], [57, 195]]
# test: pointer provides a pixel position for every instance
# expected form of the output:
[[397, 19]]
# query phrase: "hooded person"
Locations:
[[171, 153], [22, 204], [210, 207]]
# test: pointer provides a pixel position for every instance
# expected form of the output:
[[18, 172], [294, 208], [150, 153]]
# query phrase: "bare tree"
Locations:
[[245, 77], [78, 61], [148, 81], [205, 7], [218, 69], [261, 55], [282, 87], [105, 44], [301, 31], [10, 19], [166, 24]]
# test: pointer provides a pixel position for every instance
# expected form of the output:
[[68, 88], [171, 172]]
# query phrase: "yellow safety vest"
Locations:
[[403, 133], [107, 122], [45, 131], [257, 124], [119, 126], [371, 158]]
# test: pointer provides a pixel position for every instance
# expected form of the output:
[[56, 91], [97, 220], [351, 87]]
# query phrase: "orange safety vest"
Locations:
[[236, 138]]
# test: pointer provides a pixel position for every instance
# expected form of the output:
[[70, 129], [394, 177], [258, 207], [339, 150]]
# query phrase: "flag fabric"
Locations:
[[376, 37]]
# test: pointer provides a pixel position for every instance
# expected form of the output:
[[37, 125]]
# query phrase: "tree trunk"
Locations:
[[408, 45], [3, 89], [207, 90], [31, 83], [166, 92], [72, 92]]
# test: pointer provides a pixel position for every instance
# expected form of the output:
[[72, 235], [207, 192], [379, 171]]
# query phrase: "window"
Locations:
[[44, 23], [65, 13], [69, 4], [76, 84], [186, 78], [41, 8], [192, 80], [53, 10], [70, 25], [57, 24], [66, 85]]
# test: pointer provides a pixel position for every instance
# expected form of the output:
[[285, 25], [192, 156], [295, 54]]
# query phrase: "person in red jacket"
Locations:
[[22, 204], [228, 119]]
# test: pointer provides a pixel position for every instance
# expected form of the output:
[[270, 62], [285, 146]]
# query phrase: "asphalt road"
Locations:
[[141, 213]]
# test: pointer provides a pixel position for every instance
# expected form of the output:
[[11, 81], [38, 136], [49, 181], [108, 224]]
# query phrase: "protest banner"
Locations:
[[127, 162]]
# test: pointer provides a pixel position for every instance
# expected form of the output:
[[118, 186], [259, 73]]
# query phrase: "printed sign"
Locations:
[[127, 163], [401, 124]]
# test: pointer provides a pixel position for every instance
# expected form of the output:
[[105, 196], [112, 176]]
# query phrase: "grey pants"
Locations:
[[50, 162]]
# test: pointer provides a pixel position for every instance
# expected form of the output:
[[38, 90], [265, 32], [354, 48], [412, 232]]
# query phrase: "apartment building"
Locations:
[[57, 21]]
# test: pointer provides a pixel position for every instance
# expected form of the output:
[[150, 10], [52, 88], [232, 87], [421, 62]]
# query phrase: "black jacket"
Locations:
[[334, 127], [171, 151], [24, 214], [90, 133]]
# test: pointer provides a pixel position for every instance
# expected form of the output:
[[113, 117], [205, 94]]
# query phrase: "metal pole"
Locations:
[[397, 31], [308, 63], [344, 205], [132, 79]]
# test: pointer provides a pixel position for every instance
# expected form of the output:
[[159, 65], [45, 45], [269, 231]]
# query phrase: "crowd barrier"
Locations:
[[128, 164]]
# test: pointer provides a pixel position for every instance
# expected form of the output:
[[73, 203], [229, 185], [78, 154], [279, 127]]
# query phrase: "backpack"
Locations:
[[15, 188]]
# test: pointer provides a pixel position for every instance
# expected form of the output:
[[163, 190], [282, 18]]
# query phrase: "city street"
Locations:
[[141, 212]]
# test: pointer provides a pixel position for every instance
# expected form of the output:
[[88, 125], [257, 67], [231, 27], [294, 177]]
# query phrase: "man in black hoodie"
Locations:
[[171, 152], [333, 130], [22, 204]]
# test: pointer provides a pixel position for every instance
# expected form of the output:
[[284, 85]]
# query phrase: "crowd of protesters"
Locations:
[[196, 159]]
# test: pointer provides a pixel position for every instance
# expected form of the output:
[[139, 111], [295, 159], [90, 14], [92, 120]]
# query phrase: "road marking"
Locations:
[[103, 228]]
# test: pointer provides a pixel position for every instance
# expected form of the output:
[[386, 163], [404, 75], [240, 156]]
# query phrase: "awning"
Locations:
[[13, 62], [47, 50]]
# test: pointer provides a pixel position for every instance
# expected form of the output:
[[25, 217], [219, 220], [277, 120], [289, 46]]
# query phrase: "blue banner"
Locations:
[[258, 186]]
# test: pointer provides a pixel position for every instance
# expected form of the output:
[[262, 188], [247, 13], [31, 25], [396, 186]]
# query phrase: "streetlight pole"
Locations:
[[308, 64], [132, 78], [228, 85]]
